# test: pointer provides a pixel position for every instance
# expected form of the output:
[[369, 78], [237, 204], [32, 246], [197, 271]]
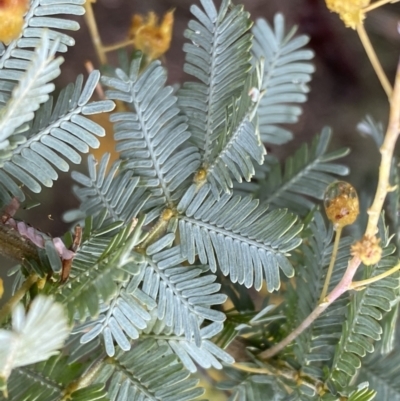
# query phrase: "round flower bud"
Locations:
[[341, 204]]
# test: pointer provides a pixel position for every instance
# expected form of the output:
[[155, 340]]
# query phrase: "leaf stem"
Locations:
[[94, 32], [118, 45], [272, 371], [377, 4], [18, 295], [270, 352], [331, 264], [158, 229], [362, 283], [252, 369], [373, 58], [341, 288]]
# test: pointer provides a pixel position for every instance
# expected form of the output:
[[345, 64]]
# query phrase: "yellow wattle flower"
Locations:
[[11, 19], [151, 37], [350, 11]]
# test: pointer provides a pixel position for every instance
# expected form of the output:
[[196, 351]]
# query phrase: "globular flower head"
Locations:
[[11, 18], [367, 250], [350, 11], [151, 38]]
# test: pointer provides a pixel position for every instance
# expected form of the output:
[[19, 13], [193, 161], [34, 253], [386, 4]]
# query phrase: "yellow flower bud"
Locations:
[[200, 176]]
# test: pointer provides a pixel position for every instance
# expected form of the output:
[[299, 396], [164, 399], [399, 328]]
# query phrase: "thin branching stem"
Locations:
[[386, 150], [94, 32], [118, 45], [270, 352], [362, 283], [377, 4], [252, 369], [271, 371], [331, 264], [341, 288], [374, 211], [373, 58], [15, 247], [158, 230], [18, 295]]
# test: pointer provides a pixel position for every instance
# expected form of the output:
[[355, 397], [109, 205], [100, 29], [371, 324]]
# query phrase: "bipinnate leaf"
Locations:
[[35, 336]]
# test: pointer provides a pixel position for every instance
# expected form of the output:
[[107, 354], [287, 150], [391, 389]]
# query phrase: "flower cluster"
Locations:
[[350, 11], [12, 18], [151, 38]]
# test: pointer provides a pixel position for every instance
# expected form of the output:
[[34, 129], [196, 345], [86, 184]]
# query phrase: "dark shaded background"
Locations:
[[343, 91]]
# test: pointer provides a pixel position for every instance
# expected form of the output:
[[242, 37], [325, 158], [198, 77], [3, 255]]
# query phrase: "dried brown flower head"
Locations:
[[367, 250], [151, 38]]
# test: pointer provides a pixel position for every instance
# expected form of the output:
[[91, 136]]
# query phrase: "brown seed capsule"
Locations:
[[341, 204]]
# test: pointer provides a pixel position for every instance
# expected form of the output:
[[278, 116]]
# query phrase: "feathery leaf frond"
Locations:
[[148, 372], [219, 56], [34, 337], [206, 355], [55, 132], [245, 241], [363, 393], [184, 294], [116, 191], [104, 259], [306, 174], [382, 373], [47, 381], [32, 89], [248, 387], [286, 73], [149, 137], [238, 141], [121, 321]]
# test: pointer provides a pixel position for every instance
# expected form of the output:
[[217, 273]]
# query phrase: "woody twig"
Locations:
[[374, 211]]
